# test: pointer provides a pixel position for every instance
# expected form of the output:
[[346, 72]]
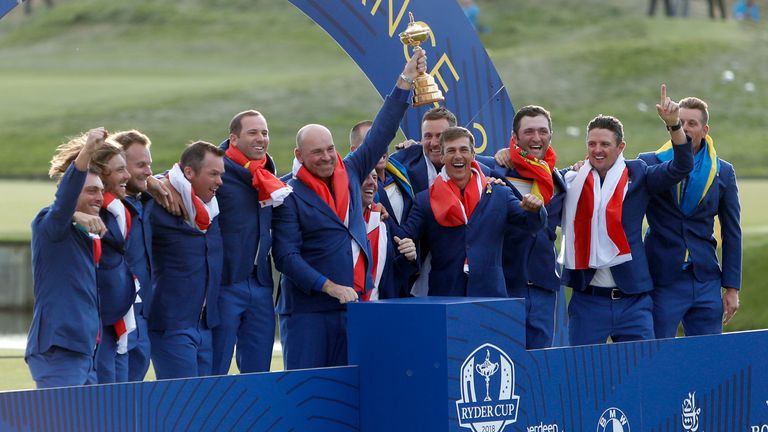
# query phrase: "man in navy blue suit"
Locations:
[[531, 270], [115, 280], [680, 243], [603, 253], [386, 266], [395, 193], [320, 243], [420, 163], [464, 218], [187, 256], [423, 160], [247, 197], [138, 158], [65, 323]]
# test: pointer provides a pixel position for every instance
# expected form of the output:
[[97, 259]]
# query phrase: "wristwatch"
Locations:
[[675, 127]]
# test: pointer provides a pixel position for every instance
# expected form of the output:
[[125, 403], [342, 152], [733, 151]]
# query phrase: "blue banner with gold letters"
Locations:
[[6, 6], [368, 31]]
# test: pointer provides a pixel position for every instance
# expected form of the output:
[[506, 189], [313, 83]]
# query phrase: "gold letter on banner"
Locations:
[[436, 72], [483, 135]]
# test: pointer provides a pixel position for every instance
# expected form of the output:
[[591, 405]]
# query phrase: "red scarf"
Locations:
[[377, 238], [450, 207], [340, 182], [96, 249], [540, 171], [202, 218], [271, 190], [127, 323], [96, 242], [121, 213]]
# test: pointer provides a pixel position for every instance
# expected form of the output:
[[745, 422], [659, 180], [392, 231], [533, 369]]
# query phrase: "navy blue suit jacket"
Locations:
[[531, 258], [671, 232], [311, 244], [397, 270], [481, 241], [412, 159], [633, 277], [245, 225], [398, 283], [186, 266], [66, 311], [114, 278], [139, 252]]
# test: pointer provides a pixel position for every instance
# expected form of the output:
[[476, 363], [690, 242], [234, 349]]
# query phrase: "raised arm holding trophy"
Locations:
[[425, 89]]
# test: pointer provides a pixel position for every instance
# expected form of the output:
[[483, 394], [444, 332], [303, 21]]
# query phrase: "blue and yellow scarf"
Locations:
[[690, 192], [398, 173]]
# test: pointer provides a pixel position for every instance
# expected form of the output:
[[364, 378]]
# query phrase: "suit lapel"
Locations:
[[485, 198], [113, 237], [558, 179], [309, 196]]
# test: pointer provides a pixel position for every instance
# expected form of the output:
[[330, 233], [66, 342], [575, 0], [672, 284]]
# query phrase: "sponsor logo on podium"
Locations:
[[691, 413], [613, 420], [488, 402]]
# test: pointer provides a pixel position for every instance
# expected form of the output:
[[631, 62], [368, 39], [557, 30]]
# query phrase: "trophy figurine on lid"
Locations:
[[425, 90]]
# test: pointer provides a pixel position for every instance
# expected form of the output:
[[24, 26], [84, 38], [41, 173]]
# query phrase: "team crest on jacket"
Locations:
[[488, 401]]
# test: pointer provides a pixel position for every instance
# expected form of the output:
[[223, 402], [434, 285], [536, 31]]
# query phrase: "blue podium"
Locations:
[[421, 361]]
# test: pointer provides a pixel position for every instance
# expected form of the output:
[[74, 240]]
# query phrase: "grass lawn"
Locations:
[[180, 70], [15, 374]]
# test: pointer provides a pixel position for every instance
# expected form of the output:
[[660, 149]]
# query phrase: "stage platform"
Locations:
[[442, 364]]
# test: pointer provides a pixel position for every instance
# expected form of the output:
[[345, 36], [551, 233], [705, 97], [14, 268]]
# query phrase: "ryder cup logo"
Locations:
[[488, 402], [613, 420]]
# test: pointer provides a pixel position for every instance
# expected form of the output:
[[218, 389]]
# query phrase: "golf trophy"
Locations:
[[425, 90]]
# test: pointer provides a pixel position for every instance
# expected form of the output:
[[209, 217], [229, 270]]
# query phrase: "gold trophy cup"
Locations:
[[425, 90]]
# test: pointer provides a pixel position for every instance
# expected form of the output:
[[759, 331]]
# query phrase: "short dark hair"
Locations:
[[608, 122], [130, 137], [453, 133], [439, 113], [355, 137], [695, 103], [194, 154], [236, 126], [530, 111]]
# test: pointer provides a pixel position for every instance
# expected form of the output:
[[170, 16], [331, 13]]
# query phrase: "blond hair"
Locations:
[[130, 137], [697, 104], [67, 152]]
